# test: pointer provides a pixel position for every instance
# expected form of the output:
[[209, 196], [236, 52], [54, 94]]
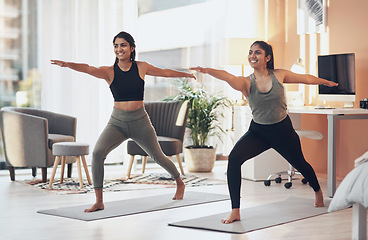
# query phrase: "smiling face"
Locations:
[[122, 49], [257, 57]]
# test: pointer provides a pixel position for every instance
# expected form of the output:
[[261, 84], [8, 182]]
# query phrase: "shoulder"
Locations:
[[246, 79], [280, 74], [279, 71], [145, 66], [107, 69], [142, 64]]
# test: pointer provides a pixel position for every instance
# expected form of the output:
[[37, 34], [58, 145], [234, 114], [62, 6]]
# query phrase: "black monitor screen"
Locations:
[[339, 68]]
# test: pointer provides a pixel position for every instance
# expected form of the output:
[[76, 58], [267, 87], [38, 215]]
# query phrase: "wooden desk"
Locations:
[[333, 115]]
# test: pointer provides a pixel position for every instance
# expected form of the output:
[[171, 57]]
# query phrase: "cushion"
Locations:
[[170, 146], [70, 149], [54, 138]]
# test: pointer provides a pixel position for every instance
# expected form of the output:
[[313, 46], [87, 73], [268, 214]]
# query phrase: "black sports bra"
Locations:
[[127, 86]]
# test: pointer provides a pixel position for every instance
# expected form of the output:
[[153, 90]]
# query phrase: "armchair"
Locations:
[[169, 120], [28, 135]]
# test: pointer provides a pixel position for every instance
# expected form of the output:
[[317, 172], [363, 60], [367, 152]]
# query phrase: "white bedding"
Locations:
[[354, 188]]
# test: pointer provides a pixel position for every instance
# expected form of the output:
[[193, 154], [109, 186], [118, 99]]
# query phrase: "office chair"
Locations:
[[292, 171]]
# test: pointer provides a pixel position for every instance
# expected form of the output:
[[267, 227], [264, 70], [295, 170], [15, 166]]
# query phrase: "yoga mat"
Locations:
[[136, 205], [255, 218]]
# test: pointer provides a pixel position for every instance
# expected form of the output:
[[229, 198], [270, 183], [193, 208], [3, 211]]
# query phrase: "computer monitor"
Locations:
[[339, 68]]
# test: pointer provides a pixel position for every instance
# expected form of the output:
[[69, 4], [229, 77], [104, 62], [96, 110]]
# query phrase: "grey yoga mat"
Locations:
[[136, 205], [255, 218]]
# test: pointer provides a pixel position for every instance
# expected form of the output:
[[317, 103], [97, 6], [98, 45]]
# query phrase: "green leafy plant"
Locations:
[[203, 115]]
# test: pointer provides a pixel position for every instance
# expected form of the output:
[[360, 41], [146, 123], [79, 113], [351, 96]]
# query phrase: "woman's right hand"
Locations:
[[59, 63]]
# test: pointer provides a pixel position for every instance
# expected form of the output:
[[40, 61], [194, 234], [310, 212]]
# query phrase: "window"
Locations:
[[17, 55]]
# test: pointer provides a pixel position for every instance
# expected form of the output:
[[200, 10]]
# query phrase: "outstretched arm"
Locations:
[[238, 83], [161, 72], [290, 77], [101, 72]]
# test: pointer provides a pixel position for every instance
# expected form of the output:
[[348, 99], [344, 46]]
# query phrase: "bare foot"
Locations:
[[234, 216], [180, 187], [319, 199], [96, 207], [128, 177]]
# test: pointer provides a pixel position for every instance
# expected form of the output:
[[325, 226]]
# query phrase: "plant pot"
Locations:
[[199, 159]]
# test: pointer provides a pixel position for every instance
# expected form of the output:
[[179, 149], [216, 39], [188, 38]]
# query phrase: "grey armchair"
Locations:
[[169, 120], [28, 135]]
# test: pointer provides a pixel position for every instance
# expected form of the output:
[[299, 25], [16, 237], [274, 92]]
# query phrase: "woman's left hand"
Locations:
[[199, 69], [330, 84]]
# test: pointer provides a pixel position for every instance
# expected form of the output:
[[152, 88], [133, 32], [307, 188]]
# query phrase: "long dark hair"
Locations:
[[130, 40], [268, 51]]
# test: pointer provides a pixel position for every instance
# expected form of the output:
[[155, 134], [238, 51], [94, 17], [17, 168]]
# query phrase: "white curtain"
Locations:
[[81, 31]]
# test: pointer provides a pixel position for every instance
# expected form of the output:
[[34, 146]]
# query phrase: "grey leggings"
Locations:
[[121, 126]]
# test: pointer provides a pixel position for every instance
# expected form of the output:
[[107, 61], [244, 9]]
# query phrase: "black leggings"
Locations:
[[259, 138]]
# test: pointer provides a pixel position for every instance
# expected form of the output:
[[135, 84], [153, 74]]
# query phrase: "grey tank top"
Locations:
[[270, 107]]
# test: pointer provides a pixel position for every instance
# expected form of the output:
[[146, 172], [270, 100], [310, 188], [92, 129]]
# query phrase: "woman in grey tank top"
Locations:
[[271, 126]]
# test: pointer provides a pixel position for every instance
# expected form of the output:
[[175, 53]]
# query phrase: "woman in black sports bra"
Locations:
[[128, 119]]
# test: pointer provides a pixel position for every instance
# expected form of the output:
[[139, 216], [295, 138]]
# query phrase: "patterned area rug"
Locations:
[[138, 182]]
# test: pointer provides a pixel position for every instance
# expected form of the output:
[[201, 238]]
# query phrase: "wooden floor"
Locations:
[[19, 220]]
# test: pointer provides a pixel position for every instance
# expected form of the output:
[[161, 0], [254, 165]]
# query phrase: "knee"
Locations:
[[98, 155], [235, 156], [234, 160], [232, 155]]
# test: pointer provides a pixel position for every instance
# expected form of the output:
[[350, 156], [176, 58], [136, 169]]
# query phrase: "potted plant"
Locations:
[[203, 122]]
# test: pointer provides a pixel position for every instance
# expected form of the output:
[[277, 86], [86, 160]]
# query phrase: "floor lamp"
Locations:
[[235, 52], [297, 98]]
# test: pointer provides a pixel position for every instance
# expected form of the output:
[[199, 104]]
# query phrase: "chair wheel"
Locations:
[[304, 181], [278, 180], [267, 183], [288, 185]]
